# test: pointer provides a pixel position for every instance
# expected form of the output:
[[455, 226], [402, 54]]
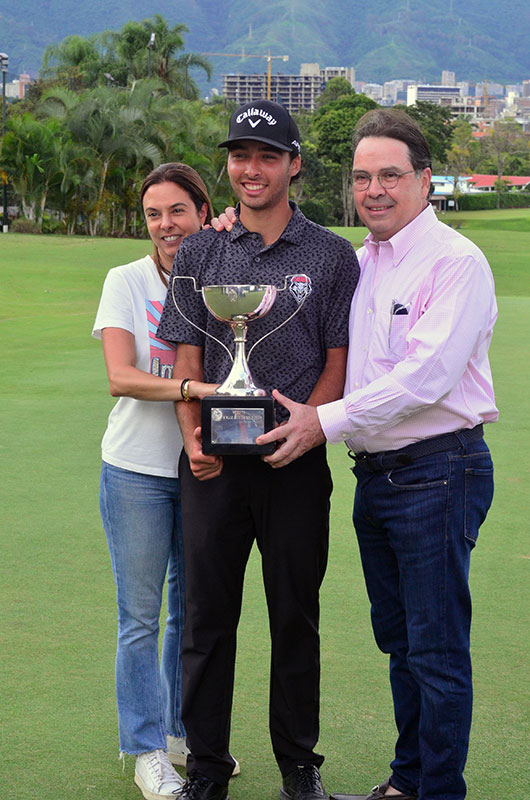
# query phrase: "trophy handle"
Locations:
[[295, 312], [182, 314]]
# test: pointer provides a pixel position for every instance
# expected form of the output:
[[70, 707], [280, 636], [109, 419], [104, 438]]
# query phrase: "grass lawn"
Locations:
[[57, 625]]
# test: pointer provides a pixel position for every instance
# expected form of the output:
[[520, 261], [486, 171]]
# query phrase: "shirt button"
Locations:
[[368, 310], [257, 259], [356, 384]]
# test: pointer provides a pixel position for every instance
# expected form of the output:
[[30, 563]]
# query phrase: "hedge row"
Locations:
[[487, 200]]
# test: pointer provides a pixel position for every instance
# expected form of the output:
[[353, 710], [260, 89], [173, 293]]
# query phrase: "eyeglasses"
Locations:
[[388, 179]]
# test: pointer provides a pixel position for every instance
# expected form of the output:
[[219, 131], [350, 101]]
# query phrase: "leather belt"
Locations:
[[390, 459]]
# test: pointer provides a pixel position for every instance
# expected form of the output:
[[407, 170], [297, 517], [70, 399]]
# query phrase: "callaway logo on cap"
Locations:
[[264, 121]]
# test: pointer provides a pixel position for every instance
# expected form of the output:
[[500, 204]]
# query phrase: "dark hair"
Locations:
[[189, 180], [395, 124]]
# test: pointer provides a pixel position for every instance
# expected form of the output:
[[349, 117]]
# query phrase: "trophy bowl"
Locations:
[[237, 305], [244, 303]]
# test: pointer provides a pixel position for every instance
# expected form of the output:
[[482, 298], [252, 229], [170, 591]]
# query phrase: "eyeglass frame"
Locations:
[[378, 176]]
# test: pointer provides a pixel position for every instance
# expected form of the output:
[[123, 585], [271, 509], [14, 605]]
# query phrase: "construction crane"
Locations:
[[254, 55]]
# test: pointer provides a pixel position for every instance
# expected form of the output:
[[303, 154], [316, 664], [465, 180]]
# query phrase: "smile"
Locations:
[[172, 238], [254, 187]]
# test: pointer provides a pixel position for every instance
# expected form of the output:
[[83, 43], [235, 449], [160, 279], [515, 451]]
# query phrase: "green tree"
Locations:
[[164, 60], [460, 154], [120, 58], [111, 130], [334, 126], [318, 190], [77, 62], [33, 159], [335, 88], [505, 140], [437, 126]]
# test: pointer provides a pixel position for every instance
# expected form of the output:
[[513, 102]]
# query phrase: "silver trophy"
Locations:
[[239, 411]]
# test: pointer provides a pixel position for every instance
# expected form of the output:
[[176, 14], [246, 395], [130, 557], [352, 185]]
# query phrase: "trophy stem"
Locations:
[[239, 382]]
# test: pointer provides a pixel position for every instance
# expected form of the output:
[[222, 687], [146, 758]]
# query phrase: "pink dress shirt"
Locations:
[[422, 371]]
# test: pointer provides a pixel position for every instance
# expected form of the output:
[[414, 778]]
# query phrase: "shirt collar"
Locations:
[[402, 241], [293, 232]]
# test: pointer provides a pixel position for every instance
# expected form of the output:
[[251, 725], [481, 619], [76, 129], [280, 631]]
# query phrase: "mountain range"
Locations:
[[414, 39]]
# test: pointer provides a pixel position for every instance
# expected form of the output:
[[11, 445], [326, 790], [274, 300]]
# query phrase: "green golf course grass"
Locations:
[[58, 618]]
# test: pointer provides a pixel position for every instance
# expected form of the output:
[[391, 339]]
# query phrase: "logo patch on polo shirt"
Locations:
[[300, 287]]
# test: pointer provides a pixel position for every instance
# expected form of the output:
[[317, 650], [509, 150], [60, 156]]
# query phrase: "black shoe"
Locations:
[[303, 783], [199, 787], [377, 793]]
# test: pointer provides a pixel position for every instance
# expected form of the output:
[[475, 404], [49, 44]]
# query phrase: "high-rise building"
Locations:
[[448, 78], [295, 92], [327, 73]]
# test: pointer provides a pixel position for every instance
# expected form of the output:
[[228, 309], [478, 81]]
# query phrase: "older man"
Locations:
[[418, 391]]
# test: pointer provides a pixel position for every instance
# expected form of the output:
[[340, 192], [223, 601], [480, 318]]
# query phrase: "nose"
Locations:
[[374, 187], [165, 220], [252, 166]]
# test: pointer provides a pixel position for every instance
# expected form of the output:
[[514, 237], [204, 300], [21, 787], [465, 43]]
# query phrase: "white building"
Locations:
[[17, 88], [442, 95], [373, 90]]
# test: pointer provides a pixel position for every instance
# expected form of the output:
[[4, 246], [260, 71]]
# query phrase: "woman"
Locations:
[[139, 493]]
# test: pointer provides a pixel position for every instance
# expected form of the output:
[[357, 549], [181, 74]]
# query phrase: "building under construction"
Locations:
[[295, 92]]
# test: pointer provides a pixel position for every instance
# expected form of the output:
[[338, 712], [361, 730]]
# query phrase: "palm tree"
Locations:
[[32, 156], [172, 68], [76, 61], [112, 130], [122, 58]]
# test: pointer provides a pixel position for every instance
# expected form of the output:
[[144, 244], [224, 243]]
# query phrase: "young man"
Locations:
[[230, 501], [418, 390]]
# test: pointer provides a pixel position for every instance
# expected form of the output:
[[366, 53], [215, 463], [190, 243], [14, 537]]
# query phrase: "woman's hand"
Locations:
[[225, 221], [198, 389]]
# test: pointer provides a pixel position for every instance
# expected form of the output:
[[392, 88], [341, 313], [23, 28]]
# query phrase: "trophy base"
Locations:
[[230, 425]]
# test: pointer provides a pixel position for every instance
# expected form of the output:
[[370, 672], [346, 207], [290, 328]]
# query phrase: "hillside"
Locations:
[[476, 39]]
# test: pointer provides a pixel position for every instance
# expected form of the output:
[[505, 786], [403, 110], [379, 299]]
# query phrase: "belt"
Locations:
[[390, 459]]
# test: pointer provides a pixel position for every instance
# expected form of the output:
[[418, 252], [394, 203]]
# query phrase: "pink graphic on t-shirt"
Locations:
[[162, 353]]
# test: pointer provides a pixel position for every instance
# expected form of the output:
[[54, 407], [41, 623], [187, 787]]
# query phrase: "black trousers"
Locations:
[[287, 512]]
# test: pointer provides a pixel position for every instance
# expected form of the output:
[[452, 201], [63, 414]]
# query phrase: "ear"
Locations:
[[296, 165], [202, 213], [426, 182]]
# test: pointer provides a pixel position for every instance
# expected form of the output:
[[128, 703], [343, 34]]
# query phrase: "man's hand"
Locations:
[[203, 467], [299, 434], [225, 221]]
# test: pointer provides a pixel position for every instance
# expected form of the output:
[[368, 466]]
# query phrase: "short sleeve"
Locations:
[[115, 306], [184, 307], [338, 310]]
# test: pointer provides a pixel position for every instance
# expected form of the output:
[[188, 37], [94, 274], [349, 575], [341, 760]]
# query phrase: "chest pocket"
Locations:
[[397, 334]]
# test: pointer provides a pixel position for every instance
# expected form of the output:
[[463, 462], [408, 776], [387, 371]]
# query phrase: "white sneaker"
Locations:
[[178, 752], [155, 776]]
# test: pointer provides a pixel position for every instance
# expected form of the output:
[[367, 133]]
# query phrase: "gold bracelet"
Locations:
[[184, 393]]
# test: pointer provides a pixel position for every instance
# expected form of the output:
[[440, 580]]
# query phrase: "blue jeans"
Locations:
[[416, 526], [142, 519]]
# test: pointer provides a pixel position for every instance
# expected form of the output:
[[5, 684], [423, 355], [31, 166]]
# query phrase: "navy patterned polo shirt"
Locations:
[[293, 358]]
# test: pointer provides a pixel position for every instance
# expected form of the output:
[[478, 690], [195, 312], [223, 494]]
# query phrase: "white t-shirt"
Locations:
[[142, 436]]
